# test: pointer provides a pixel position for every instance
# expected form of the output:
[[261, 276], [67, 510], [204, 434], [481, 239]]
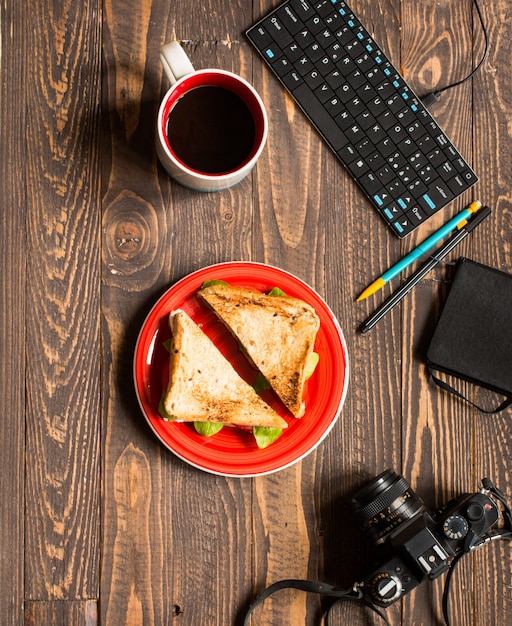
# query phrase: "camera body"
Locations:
[[415, 543]]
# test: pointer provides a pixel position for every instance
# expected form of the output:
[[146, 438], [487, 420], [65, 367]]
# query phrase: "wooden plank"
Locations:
[[440, 441], [61, 613], [63, 301], [492, 94], [437, 433], [12, 309], [313, 221], [172, 534]]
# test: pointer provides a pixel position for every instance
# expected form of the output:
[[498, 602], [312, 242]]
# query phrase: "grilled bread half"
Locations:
[[277, 332], [204, 386]]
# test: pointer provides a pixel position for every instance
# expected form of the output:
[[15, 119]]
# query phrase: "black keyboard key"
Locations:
[[416, 216], [365, 147], [372, 185], [313, 79], [304, 37], [358, 167], [407, 147], [438, 195], [386, 147], [427, 174], [323, 7], [457, 184], [386, 174], [302, 9], [315, 24], [314, 51], [292, 80], [377, 106], [335, 106], [278, 32], [320, 117], [376, 133], [417, 187], [290, 19], [403, 225], [293, 51], [344, 120], [282, 66], [324, 93], [335, 79], [418, 160], [365, 119], [305, 65]]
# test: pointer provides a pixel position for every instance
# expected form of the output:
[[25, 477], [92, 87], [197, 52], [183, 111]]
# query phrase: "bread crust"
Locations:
[[203, 386], [277, 333]]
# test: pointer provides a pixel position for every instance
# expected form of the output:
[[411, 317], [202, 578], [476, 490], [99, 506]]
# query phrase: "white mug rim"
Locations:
[[197, 174]]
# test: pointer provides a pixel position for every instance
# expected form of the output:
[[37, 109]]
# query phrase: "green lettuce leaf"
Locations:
[[213, 282], [163, 412], [265, 436], [207, 429], [276, 292], [312, 363], [260, 383]]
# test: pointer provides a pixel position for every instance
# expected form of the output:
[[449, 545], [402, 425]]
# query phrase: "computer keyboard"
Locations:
[[363, 108]]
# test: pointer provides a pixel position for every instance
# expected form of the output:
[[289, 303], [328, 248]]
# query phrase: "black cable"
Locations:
[[447, 586], [431, 97]]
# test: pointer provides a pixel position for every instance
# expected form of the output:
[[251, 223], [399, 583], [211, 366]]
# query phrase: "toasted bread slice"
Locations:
[[204, 386], [277, 333]]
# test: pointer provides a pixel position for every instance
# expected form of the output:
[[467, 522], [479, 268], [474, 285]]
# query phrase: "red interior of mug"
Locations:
[[231, 83]]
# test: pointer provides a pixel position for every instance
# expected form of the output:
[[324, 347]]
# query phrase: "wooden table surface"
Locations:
[[99, 522]]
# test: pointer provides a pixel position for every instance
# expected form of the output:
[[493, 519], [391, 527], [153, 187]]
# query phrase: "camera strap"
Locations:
[[310, 586], [502, 533]]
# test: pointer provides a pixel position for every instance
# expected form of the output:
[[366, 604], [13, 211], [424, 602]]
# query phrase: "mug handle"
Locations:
[[176, 63]]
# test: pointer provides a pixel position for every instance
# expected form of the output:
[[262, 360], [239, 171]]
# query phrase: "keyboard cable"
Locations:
[[433, 96]]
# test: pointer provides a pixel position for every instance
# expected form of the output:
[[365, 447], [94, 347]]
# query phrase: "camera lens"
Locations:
[[384, 503]]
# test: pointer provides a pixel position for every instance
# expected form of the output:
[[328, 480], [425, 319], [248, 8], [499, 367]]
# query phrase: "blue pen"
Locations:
[[457, 222]]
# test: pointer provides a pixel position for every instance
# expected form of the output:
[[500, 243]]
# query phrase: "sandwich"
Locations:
[[277, 334], [204, 387]]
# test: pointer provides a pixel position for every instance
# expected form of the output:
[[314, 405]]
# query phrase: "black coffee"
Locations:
[[211, 130]]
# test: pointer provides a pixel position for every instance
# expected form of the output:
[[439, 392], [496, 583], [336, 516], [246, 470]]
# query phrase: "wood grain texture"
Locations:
[[155, 233], [61, 613], [12, 312], [99, 522], [493, 157], [63, 302], [431, 419]]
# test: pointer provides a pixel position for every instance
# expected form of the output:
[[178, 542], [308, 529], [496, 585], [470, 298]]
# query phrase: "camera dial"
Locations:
[[455, 527], [386, 588]]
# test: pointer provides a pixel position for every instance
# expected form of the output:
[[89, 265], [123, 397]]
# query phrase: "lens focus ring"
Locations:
[[384, 504], [384, 500]]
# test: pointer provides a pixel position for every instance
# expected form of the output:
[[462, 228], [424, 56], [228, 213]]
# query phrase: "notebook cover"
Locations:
[[473, 338]]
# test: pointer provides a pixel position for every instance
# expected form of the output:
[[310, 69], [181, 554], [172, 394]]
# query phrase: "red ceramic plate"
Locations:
[[232, 451]]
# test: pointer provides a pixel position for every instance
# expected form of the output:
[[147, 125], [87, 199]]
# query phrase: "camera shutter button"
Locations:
[[475, 511]]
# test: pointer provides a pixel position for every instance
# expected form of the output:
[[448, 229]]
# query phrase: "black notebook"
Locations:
[[473, 337]]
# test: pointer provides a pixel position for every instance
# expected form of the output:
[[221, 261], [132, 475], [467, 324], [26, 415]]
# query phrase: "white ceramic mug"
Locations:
[[208, 139]]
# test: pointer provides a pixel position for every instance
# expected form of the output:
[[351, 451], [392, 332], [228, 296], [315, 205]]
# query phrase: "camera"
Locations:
[[416, 544]]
